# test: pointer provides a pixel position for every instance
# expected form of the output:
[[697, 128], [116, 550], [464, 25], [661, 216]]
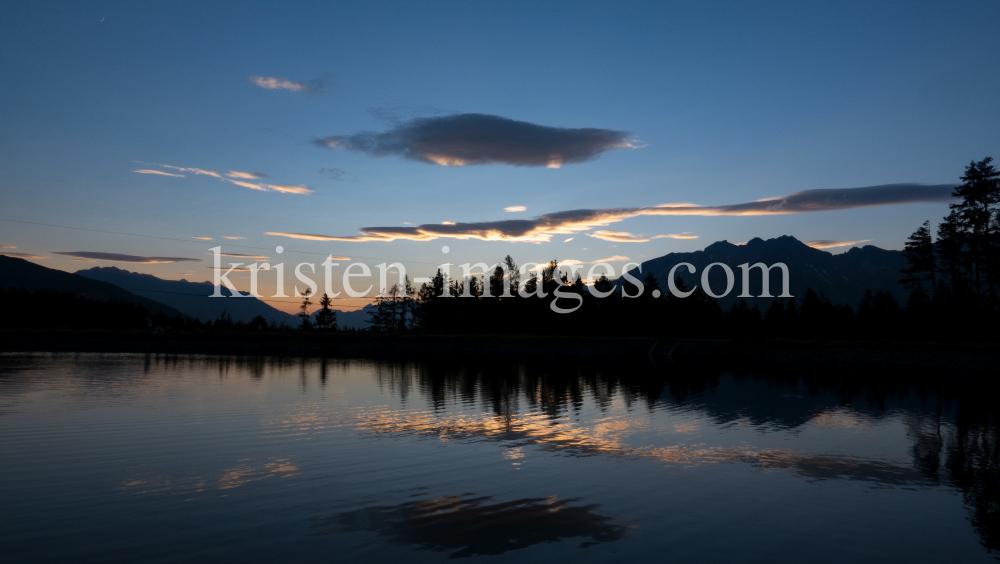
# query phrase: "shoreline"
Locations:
[[924, 357]]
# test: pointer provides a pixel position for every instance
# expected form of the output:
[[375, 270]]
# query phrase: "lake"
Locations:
[[143, 458]]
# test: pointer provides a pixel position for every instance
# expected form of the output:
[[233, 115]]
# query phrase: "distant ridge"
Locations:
[[189, 297], [842, 278], [21, 274]]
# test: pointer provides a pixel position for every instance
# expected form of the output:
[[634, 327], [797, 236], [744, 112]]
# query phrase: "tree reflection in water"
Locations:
[[953, 423]]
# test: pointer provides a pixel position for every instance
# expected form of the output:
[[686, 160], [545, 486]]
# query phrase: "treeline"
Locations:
[[877, 316], [958, 274]]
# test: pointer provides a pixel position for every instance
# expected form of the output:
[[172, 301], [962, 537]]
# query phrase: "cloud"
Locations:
[[249, 185], [614, 258], [202, 238], [290, 189], [685, 235], [115, 257], [479, 139], [245, 175], [160, 172], [232, 175], [568, 240], [272, 83], [194, 171], [831, 243], [7, 247], [624, 237], [226, 269], [338, 174], [231, 237], [515, 209], [542, 228], [618, 237], [23, 255]]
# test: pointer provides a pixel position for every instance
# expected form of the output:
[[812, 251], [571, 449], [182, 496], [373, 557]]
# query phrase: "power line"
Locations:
[[190, 241]]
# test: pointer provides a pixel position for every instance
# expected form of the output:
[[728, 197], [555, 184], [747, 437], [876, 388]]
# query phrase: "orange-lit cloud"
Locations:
[[234, 177], [116, 257], [685, 235], [618, 237], [226, 269], [23, 255], [542, 228], [202, 238], [830, 244], [615, 258], [514, 209], [245, 175], [249, 185], [160, 172], [7, 247], [290, 189], [479, 139], [195, 171], [232, 237]]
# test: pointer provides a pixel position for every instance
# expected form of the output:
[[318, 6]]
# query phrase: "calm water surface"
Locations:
[[162, 459]]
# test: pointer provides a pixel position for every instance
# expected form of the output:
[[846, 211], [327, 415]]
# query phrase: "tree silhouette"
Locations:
[[326, 318], [304, 309], [919, 254]]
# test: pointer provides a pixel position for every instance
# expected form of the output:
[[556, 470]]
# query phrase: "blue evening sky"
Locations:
[[728, 103]]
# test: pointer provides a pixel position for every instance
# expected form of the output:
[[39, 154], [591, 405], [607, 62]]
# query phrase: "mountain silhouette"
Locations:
[[843, 278], [18, 273], [189, 297]]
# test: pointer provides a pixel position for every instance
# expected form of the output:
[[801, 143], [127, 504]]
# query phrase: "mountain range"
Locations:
[[18, 273], [189, 297], [842, 278]]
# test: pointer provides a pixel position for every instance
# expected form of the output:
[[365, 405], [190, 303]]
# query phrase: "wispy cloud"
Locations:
[[625, 237], [245, 184], [195, 171], [290, 189], [515, 209], [272, 83], [574, 262], [232, 237], [685, 235], [832, 243], [568, 240], [479, 139], [618, 237], [116, 257], [245, 175], [542, 228], [160, 172], [226, 269], [7, 247], [234, 177], [338, 174], [23, 255], [202, 238]]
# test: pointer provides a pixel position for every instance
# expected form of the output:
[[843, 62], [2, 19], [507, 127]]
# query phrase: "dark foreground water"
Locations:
[[134, 458]]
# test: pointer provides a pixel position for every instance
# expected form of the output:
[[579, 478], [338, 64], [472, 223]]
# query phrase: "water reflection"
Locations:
[[341, 426], [473, 526], [952, 424]]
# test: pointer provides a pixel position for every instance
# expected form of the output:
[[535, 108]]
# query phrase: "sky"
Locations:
[[568, 131]]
